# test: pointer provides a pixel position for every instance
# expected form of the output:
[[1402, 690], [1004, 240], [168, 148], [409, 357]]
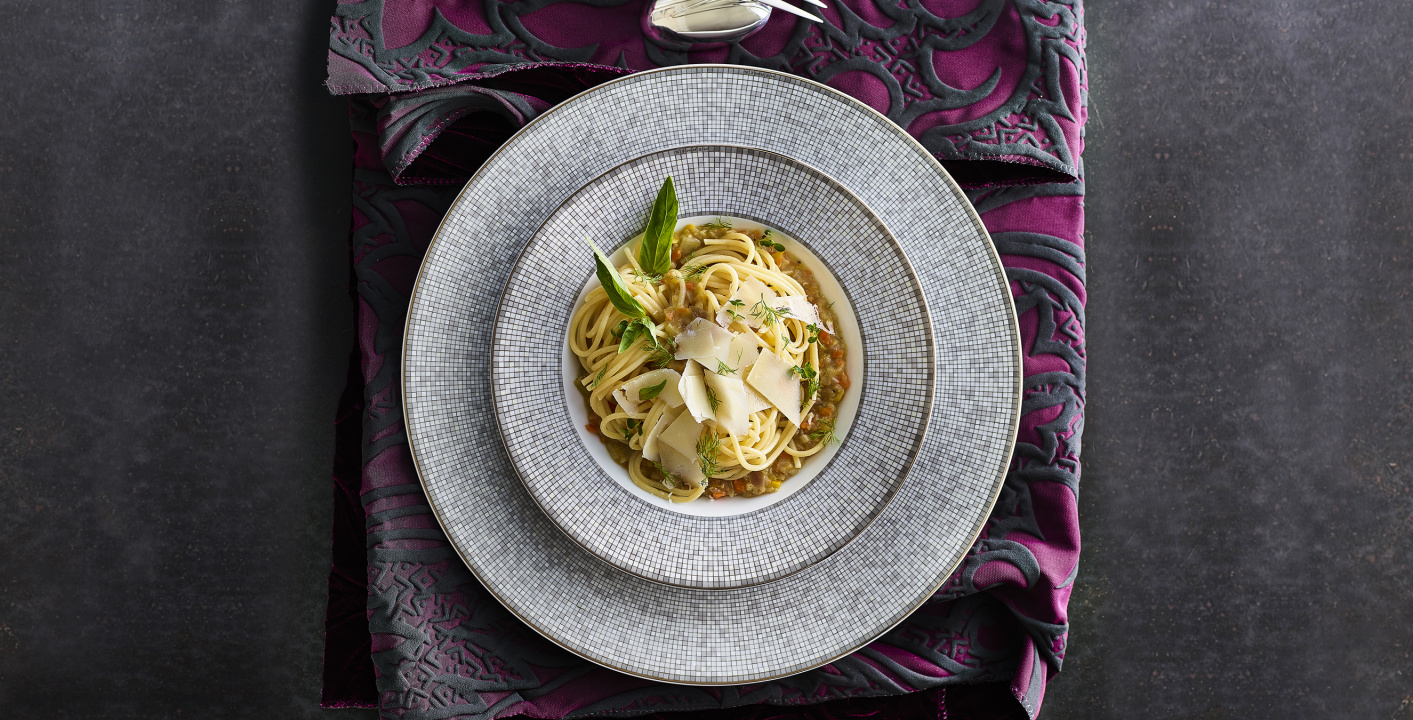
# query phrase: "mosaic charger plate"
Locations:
[[722, 635], [735, 541]]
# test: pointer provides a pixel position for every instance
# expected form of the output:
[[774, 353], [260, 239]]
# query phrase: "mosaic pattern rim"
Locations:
[[840, 497], [719, 636]]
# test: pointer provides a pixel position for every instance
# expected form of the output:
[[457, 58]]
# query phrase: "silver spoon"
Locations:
[[717, 20]]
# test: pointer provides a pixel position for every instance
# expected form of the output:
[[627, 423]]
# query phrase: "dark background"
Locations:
[[174, 329]]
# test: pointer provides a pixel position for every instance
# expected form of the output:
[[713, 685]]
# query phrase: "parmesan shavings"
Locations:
[[693, 391], [731, 413], [669, 394], [650, 441], [749, 293], [702, 339], [771, 377]]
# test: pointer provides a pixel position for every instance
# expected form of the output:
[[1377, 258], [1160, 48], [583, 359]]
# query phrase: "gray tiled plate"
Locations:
[[594, 502], [690, 635]]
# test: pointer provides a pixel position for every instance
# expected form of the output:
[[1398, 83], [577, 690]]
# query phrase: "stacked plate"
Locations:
[[735, 590]]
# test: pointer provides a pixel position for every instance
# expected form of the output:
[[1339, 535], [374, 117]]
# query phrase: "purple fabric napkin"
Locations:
[[996, 90]]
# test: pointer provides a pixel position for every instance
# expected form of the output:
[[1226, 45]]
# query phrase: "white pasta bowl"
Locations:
[[847, 328], [734, 541]]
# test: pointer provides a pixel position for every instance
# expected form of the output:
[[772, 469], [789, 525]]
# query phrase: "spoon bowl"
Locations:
[[708, 20]]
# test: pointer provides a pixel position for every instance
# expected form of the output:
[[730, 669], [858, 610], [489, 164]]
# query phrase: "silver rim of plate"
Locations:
[[593, 504], [716, 636]]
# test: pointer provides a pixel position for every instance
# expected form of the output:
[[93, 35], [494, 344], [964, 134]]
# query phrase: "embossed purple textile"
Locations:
[[995, 89]]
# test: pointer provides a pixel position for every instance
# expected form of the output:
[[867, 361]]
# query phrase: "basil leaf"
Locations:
[[649, 393], [655, 336], [655, 252], [615, 287], [640, 328], [630, 336]]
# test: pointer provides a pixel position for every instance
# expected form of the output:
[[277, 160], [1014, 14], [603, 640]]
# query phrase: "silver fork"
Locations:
[[719, 20]]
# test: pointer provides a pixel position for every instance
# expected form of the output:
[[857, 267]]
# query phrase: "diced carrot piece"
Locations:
[[740, 486], [843, 379]]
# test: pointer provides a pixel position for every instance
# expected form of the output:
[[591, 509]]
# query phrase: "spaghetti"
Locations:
[[729, 378]]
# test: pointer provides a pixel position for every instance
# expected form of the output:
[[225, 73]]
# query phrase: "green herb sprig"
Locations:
[[712, 399], [648, 393], [724, 369], [614, 286], [708, 447], [767, 314], [631, 427], [732, 308], [721, 223], [823, 432], [811, 378], [655, 252], [769, 244], [663, 354], [640, 328], [639, 324], [668, 478]]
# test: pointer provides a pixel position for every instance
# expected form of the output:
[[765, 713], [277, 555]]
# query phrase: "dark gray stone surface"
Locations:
[[1247, 497], [174, 317], [173, 292]]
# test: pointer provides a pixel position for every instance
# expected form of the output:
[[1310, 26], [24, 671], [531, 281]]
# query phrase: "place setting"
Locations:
[[701, 384], [755, 476]]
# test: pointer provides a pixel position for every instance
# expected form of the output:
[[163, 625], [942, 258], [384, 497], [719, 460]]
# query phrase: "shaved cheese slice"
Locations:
[[693, 391], [685, 468], [755, 402], [800, 308], [752, 291], [720, 357], [702, 339], [629, 405], [669, 394], [731, 413], [749, 293], [724, 318], [682, 435], [771, 377], [650, 442], [691, 344], [721, 344], [744, 350]]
